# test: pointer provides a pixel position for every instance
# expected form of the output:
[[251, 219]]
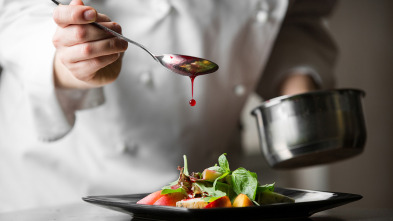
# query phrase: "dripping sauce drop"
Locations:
[[192, 101]]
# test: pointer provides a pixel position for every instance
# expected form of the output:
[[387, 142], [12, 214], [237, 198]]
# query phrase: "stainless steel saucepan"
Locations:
[[311, 128]]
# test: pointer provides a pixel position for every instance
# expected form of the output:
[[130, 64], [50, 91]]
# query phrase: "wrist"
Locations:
[[64, 79]]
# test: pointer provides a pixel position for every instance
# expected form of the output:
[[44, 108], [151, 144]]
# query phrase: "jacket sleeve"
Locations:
[[303, 45], [26, 55]]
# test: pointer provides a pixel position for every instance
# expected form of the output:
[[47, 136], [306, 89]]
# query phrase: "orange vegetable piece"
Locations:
[[242, 200]]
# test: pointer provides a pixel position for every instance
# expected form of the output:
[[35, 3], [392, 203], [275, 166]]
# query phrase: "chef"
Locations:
[[82, 114]]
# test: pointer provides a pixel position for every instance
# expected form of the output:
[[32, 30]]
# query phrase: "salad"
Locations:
[[216, 186]]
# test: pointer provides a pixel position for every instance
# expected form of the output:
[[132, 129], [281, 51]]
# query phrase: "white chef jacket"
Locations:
[[129, 137]]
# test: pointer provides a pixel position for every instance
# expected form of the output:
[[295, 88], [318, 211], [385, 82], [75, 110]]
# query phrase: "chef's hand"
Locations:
[[297, 83], [86, 57]]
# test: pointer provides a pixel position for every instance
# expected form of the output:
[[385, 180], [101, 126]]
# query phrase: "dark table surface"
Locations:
[[88, 212]]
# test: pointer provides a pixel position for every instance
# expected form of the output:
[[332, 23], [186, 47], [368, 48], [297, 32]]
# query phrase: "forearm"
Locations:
[[27, 55]]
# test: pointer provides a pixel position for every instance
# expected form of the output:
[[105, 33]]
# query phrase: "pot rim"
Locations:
[[280, 99]]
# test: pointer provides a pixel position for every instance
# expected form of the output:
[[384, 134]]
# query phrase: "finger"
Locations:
[[102, 18], [94, 49], [77, 2], [65, 15], [87, 70], [77, 34]]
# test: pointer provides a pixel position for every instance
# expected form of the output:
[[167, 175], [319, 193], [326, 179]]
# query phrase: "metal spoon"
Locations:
[[180, 64]]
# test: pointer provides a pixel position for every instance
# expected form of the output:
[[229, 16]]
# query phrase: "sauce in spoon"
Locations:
[[188, 66]]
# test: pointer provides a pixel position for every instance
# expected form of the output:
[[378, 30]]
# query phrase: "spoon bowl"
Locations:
[[187, 65]]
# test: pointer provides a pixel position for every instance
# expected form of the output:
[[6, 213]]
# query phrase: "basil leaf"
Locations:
[[212, 198], [245, 182], [224, 187], [217, 168], [266, 187], [212, 194], [169, 186], [178, 190], [219, 178], [215, 195], [223, 162], [205, 187]]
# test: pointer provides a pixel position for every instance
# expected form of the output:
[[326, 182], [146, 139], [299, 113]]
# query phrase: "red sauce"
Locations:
[[188, 66], [192, 101], [175, 187]]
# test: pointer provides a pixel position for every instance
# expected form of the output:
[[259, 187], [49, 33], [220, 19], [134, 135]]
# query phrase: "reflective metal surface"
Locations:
[[311, 128]]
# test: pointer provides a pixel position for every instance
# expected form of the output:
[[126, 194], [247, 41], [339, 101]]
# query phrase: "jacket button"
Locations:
[[146, 78], [262, 13], [261, 16], [127, 147], [239, 90], [162, 7]]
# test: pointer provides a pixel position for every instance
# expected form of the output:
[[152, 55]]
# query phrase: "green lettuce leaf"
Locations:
[[224, 168], [228, 189], [217, 168], [178, 190], [223, 162], [169, 186], [245, 182], [219, 178], [211, 193], [266, 187]]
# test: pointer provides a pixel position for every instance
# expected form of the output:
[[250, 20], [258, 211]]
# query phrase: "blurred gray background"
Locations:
[[363, 30]]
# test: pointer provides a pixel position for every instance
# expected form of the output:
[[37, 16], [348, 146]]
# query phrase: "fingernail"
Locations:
[[90, 15]]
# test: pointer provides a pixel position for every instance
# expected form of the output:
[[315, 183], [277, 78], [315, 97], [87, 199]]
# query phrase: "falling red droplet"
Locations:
[[171, 57], [192, 102]]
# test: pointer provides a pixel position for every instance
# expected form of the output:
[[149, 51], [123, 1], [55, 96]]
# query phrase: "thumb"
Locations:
[[76, 13], [76, 2]]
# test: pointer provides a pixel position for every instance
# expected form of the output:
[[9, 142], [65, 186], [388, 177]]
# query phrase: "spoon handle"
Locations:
[[118, 35], [124, 38]]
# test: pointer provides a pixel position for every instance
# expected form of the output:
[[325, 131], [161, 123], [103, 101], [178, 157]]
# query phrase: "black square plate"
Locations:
[[307, 202]]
